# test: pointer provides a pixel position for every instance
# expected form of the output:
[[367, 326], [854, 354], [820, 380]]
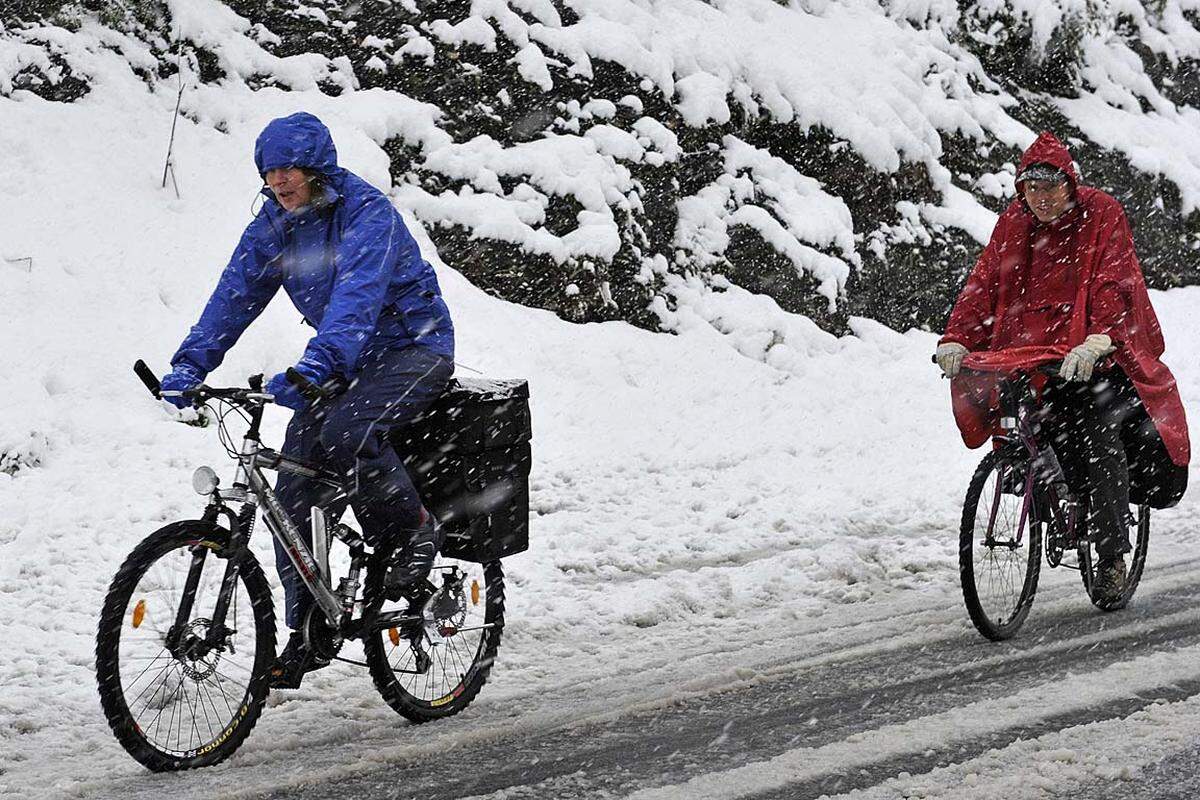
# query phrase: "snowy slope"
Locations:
[[599, 150], [750, 473]]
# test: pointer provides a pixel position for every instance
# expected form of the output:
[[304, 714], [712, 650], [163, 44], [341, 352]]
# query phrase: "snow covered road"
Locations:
[[786, 711]]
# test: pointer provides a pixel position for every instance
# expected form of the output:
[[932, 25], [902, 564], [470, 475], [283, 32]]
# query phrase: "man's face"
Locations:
[[1047, 200], [291, 187]]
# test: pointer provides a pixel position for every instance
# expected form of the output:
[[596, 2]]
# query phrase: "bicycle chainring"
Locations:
[[320, 638]]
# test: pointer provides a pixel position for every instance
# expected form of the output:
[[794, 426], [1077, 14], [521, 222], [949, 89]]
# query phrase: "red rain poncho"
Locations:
[[1042, 288]]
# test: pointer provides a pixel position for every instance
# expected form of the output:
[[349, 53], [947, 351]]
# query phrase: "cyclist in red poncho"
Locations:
[[1060, 272]]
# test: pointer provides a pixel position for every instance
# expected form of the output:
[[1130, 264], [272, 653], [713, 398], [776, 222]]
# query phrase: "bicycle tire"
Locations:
[[1137, 565], [143, 741], [446, 699], [1009, 621]]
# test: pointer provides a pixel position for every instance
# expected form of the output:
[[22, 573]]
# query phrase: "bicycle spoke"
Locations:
[[153, 683], [459, 665], [224, 696]]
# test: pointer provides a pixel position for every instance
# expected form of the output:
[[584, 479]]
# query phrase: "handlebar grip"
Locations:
[[307, 388], [313, 391], [148, 377], [298, 380]]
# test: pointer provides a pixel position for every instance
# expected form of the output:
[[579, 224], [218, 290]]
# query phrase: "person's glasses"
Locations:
[[1042, 187]]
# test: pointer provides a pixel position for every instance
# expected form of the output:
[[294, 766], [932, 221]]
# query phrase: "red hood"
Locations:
[[1047, 149]]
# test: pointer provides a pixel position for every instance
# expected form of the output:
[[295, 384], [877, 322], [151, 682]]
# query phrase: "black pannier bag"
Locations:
[[1153, 478], [469, 456]]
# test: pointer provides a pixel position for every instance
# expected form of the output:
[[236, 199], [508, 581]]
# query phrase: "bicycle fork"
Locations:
[[1026, 505], [193, 647]]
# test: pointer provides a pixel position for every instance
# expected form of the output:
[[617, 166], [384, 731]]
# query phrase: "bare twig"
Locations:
[[169, 167]]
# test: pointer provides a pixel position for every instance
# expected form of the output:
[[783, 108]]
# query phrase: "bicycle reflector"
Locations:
[[474, 593], [394, 635], [139, 613], [205, 480]]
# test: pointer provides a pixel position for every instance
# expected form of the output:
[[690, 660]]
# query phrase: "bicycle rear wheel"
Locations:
[[1137, 564], [182, 704], [998, 562], [435, 668]]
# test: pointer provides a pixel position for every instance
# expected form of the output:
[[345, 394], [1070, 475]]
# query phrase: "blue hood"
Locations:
[[299, 140]]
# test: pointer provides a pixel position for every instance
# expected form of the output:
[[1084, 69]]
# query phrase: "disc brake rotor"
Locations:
[[446, 611], [199, 668]]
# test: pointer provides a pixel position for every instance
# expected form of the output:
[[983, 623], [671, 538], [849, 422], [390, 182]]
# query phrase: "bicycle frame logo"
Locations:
[[282, 528]]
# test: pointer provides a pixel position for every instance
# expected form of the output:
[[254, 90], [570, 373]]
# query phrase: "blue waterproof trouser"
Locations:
[[349, 433]]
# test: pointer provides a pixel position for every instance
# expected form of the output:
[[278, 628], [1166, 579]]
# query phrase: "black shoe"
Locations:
[[293, 662], [1109, 581], [412, 561]]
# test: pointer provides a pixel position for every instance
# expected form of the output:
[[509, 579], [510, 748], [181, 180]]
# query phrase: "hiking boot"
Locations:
[[293, 662], [1109, 581], [412, 560]]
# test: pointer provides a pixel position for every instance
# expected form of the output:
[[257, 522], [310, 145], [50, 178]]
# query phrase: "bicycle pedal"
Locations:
[[288, 680]]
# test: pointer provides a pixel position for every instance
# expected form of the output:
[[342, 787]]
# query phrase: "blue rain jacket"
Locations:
[[346, 260]]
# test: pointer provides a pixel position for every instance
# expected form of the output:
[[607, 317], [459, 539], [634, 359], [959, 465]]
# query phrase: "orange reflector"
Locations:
[[394, 635], [139, 613], [474, 593]]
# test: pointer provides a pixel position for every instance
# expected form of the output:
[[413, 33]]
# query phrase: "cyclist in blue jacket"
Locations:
[[345, 258]]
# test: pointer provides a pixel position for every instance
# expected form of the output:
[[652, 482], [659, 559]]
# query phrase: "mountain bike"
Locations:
[[187, 633], [1018, 505]]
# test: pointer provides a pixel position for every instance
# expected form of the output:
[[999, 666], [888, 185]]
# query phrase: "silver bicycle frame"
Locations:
[[249, 473]]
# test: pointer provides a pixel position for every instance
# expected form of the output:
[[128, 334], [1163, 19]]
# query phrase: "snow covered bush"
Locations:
[[846, 159], [21, 451]]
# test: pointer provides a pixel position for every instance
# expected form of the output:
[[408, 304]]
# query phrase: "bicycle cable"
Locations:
[[224, 409]]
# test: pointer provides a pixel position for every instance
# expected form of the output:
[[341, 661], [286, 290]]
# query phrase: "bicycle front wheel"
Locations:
[[435, 668], [998, 557], [179, 691]]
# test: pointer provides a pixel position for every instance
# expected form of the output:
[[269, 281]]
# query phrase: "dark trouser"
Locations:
[[1085, 432], [349, 433]]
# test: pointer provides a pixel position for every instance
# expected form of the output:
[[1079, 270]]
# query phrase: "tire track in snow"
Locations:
[[880, 712]]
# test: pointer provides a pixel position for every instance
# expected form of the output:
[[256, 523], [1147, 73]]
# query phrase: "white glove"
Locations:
[[1080, 362], [197, 417], [950, 357]]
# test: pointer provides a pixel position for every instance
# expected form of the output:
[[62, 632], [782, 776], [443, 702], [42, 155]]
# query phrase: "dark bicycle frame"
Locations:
[[251, 488], [1020, 415]]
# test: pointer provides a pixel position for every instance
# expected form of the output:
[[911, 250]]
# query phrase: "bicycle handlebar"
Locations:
[[148, 377], [307, 388], [1051, 368], [202, 393]]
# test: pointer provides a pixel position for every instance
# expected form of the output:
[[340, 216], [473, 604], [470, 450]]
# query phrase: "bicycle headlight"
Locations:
[[205, 480]]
